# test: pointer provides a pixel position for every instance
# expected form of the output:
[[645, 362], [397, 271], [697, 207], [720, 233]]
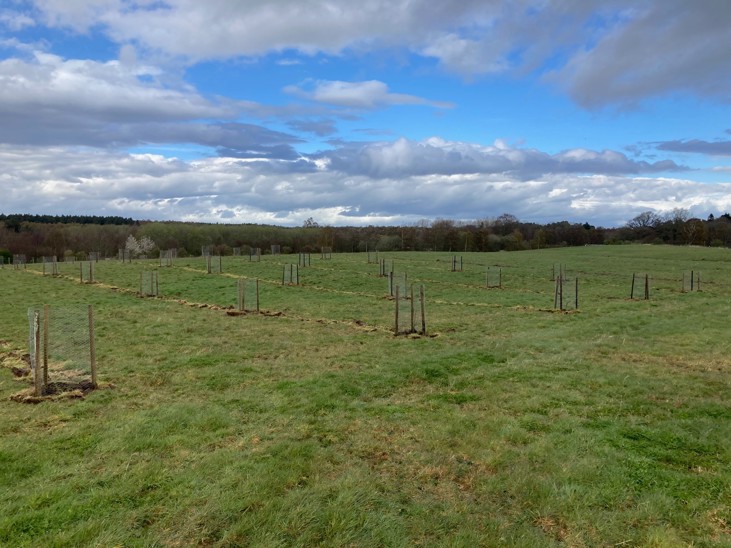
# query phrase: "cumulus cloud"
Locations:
[[358, 95], [653, 48], [613, 52], [15, 21], [110, 90], [436, 156], [601, 52], [609, 52], [53, 101], [225, 28], [227, 189]]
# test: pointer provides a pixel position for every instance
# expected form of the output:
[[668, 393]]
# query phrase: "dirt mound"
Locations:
[[59, 390]]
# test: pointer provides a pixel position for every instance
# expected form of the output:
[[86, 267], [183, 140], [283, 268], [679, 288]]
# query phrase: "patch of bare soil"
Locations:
[[17, 362], [67, 384], [60, 390]]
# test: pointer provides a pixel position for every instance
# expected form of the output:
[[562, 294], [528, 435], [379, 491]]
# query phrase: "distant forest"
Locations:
[[75, 236]]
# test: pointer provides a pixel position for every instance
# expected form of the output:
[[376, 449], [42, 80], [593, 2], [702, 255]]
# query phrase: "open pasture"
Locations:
[[509, 423]]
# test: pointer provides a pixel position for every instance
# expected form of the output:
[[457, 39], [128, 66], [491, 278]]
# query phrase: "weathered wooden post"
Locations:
[[92, 347], [632, 291], [395, 328], [422, 298], [37, 378], [413, 325], [46, 320]]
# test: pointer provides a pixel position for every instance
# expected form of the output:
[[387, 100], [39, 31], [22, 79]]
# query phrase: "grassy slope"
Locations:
[[515, 425]]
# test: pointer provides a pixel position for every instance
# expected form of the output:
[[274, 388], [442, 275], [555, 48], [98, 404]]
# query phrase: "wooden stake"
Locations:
[[422, 298], [257, 295], [92, 347], [37, 379], [412, 309], [46, 311], [395, 329], [632, 291], [560, 291]]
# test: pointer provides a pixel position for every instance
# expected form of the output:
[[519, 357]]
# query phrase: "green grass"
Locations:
[[512, 424]]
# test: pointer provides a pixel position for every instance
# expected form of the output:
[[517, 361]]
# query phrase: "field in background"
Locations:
[[311, 424]]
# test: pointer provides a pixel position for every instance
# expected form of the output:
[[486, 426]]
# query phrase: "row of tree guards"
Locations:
[[149, 284], [214, 265]]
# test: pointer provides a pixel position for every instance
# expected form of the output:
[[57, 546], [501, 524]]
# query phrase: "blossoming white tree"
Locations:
[[136, 247]]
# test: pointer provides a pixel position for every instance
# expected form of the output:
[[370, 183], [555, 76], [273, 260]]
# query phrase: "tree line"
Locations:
[[42, 236]]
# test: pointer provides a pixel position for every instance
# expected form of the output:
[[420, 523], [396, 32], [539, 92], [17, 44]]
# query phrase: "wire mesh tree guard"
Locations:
[[50, 266], [456, 263], [408, 316], [290, 274], [635, 290], [494, 278], [304, 259], [566, 293], [61, 346], [248, 295], [86, 272], [691, 281], [214, 265], [149, 283]]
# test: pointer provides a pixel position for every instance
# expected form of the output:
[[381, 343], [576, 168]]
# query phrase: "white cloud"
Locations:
[[53, 101], [78, 15], [468, 56], [15, 21], [370, 94], [436, 156], [655, 48], [601, 52], [66, 181], [111, 90]]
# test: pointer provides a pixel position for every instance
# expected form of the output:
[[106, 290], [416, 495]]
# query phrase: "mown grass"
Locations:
[[511, 425]]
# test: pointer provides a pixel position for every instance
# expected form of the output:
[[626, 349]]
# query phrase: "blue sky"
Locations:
[[375, 112]]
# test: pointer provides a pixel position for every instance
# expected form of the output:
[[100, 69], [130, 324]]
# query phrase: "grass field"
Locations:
[[509, 424]]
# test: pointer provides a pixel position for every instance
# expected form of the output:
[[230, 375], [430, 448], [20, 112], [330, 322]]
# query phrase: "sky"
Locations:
[[376, 112]]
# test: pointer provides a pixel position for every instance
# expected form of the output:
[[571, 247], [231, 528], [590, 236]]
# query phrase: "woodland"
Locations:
[[70, 236]]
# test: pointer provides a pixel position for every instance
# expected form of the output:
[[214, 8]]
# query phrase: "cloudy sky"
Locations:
[[368, 112]]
